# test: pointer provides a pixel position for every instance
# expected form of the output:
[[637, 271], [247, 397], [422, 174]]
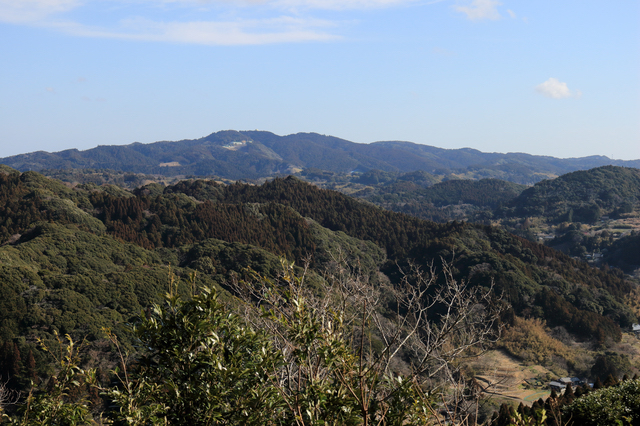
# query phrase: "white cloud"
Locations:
[[481, 9], [555, 89], [277, 30], [23, 11], [244, 32], [511, 13]]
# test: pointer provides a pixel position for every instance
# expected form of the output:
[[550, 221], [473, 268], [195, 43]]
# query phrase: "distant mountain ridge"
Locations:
[[258, 154]]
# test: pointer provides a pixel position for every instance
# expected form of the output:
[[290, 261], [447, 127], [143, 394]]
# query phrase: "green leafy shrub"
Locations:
[[616, 405], [201, 365]]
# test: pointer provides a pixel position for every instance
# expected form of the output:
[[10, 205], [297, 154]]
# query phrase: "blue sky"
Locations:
[[559, 78]]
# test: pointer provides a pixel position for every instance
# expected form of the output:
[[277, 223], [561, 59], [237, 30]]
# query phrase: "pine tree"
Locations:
[[597, 384], [504, 416], [15, 367], [611, 381], [6, 360], [30, 366]]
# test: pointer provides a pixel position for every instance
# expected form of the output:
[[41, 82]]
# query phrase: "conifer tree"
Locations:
[[568, 396], [30, 365], [597, 384], [611, 381]]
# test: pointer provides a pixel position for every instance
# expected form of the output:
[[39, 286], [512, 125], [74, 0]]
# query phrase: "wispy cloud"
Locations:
[[555, 89], [242, 32], [221, 21], [280, 22], [481, 9], [23, 11]]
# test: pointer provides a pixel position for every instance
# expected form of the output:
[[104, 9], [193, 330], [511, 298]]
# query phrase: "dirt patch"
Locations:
[[503, 376]]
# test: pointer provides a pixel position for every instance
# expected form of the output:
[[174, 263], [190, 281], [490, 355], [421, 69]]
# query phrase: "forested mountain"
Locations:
[[80, 259], [259, 154], [58, 239], [456, 199], [582, 196]]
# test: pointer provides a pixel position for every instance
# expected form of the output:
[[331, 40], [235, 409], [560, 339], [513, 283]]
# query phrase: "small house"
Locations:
[[557, 386]]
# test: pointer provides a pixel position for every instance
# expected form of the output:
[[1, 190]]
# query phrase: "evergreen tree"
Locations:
[[568, 396], [30, 365], [597, 384], [611, 381]]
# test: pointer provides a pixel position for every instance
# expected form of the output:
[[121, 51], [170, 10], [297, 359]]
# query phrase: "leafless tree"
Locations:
[[417, 332], [7, 396]]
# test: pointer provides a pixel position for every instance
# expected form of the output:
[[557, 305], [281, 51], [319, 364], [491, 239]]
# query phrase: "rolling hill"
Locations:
[[581, 196], [55, 238]]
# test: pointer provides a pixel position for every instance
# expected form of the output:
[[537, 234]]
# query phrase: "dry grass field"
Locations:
[[505, 378]]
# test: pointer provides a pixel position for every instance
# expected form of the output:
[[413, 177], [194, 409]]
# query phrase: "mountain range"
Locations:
[[260, 154]]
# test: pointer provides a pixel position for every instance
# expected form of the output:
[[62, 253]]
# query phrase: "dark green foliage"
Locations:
[[441, 202], [624, 253], [10, 364], [587, 325], [61, 400], [221, 260], [615, 405], [91, 178], [175, 220], [518, 266], [13, 306], [64, 270], [204, 365], [582, 196], [84, 282], [610, 364]]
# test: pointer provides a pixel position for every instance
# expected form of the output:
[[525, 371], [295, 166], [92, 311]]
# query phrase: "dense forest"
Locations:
[[276, 217], [582, 196], [82, 259]]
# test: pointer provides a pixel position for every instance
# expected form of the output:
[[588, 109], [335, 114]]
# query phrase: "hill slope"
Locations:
[[73, 260], [582, 196]]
